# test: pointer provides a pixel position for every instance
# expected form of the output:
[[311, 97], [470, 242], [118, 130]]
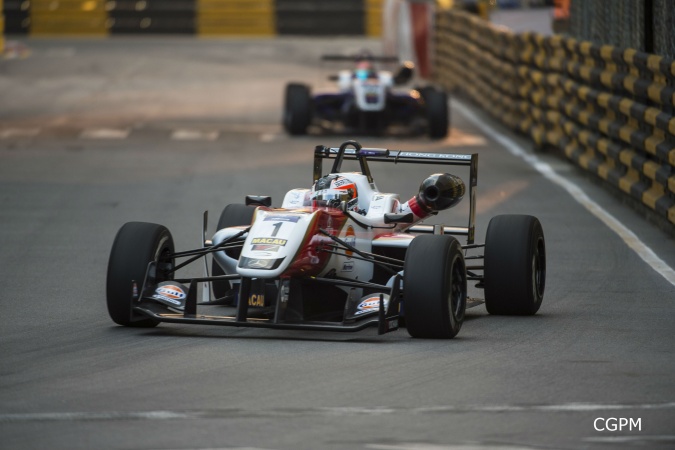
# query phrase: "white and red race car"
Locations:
[[339, 256]]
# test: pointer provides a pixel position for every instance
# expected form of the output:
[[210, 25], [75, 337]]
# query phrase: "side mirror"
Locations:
[[405, 73], [398, 218]]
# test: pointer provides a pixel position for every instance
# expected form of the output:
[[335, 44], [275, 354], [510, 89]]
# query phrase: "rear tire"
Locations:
[[436, 113], [297, 108], [515, 265], [233, 215], [434, 284], [135, 246]]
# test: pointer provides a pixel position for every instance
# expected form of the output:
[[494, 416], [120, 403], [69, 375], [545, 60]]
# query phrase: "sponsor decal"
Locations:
[[265, 248], [371, 304], [170, 293], [348, 266], [341, 182], [256, 300], [435, 155], [269, 241], [350, 238], [258, 263], [277, 218]]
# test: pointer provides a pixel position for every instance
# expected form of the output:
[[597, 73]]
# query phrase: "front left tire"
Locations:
[[437, 113], [434, 287], [515, 265]]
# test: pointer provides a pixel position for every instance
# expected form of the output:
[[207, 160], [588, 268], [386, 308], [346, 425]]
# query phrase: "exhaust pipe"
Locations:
[[438, 192]]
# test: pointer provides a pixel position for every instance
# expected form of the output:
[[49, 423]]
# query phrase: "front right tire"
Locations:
[[135, 246]]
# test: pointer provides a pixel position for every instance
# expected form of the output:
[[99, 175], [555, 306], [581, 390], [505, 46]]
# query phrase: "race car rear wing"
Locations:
[[364, 155]]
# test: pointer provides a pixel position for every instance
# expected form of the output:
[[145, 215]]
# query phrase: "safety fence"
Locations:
[[645, 25], [200, 17], [609, 110]]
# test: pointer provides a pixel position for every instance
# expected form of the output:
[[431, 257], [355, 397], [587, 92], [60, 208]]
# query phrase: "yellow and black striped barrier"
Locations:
[[609, 110], [201, 17], [235, 17]]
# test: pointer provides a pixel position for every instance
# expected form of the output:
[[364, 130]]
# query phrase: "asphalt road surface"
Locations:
[[97, 133]]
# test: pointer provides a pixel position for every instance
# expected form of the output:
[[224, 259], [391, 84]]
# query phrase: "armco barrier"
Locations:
[[609, 110], [202, 17]]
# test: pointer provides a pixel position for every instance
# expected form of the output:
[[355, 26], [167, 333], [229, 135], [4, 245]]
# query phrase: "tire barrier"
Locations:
[[202, 17], [609, 110]]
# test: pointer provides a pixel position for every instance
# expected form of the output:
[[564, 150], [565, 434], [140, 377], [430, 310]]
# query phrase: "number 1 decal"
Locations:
[[276, 226]]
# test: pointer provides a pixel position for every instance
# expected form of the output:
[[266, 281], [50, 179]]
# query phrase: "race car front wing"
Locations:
[[143, 302]]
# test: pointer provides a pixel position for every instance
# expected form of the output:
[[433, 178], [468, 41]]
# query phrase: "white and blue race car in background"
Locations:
[[367, 101]]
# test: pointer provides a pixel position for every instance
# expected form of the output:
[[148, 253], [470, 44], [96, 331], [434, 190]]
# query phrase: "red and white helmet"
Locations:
[[334, 189]]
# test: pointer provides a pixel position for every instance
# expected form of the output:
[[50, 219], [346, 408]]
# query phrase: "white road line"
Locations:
[[631, 240], [638, 439], [105, 133], [19, 132], [424, 446], [344, 411], [194, 135]]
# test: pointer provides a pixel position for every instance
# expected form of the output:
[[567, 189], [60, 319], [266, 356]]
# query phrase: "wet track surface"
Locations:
[[95, 134]]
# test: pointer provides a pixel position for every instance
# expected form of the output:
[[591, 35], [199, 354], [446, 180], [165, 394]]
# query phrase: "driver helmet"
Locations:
[[364, 70], [332, 190]]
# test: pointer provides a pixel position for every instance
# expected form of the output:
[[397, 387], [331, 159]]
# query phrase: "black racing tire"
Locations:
[[233, 215], [437, 113], [135, 246], [434, 287], [515, 265], [297, 108]]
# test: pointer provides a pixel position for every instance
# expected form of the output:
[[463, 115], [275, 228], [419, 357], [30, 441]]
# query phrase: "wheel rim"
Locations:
[[163, 260], [538, 270], [456, 296]]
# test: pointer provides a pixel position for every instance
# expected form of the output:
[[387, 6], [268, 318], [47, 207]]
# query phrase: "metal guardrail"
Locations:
[[609, 110]]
